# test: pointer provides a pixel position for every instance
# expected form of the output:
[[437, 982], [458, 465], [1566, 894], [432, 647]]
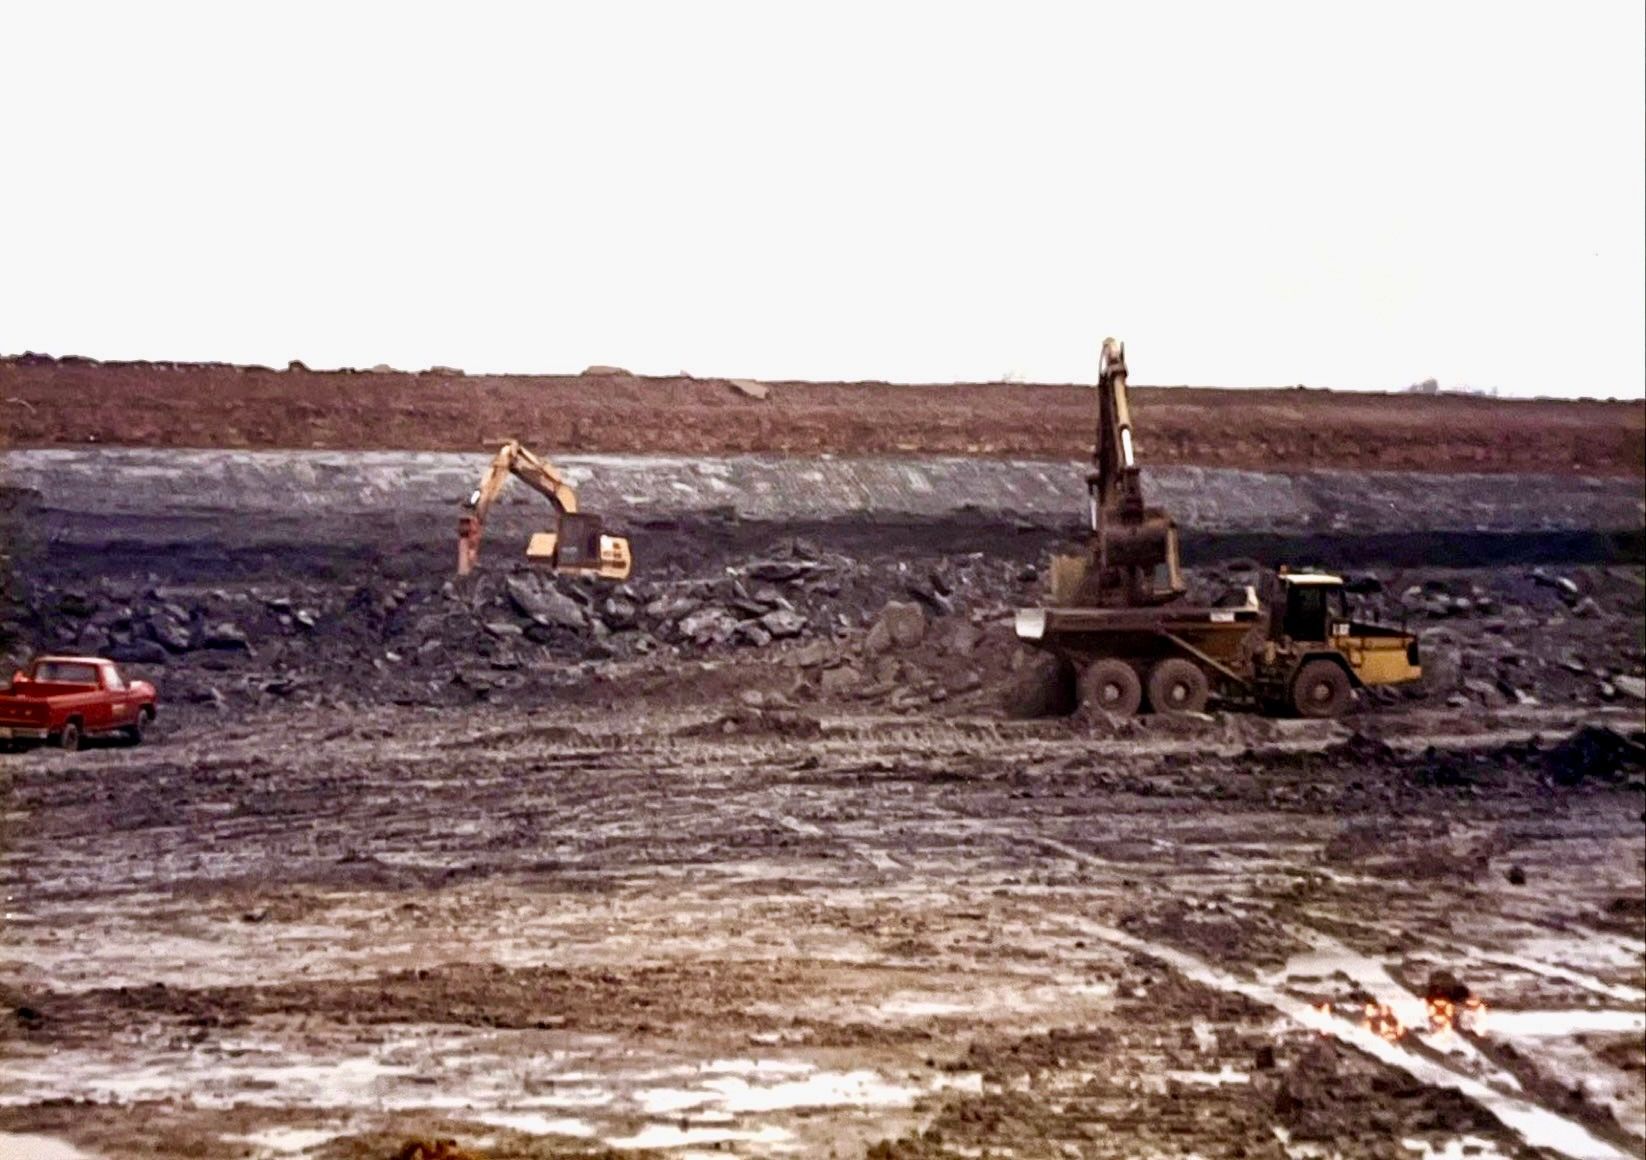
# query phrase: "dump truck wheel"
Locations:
[[1178, 685], [1321, 689], [71, 736], [1112, 686]]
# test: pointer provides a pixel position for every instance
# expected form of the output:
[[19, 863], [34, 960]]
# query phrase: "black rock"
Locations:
[[545, 605], [783, 622], [751, 632], [171, 634], [226, 637], [782, 571], [139, 652]]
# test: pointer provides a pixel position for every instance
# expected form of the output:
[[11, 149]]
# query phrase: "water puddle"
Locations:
[[735, 1095], [674, 1136], [1328, 960], [536, 1124], [1563, 1023], [1588, 982], [1465, 1148], [1538, 1126], [17, 1146], [284, 1141], [1226, 1075], [909, 1007]]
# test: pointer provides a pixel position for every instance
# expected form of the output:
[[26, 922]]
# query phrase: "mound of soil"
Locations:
[[76, 401]]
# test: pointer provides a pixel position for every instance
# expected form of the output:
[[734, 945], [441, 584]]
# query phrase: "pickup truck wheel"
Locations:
[[1178, 685], [71, 736], [1112, 686], [134, 732], [1321, 689]]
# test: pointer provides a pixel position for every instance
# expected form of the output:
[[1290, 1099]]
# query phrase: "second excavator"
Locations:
[[578, 546]]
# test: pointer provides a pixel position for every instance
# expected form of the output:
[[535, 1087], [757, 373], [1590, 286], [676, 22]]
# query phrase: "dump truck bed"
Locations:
[[1212, 637], [1045, 622]]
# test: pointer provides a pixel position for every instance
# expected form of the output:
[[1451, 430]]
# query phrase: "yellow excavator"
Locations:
[[578, 546]]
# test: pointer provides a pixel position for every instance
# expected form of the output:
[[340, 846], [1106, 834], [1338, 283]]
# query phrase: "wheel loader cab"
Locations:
[[1314, 604], [1311, 616], [1310, 609]]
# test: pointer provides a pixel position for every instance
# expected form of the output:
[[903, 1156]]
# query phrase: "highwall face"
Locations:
[[237, 511]]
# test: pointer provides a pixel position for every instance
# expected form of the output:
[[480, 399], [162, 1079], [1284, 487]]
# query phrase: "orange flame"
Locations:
[[1445, 1016], [1381, 1020]]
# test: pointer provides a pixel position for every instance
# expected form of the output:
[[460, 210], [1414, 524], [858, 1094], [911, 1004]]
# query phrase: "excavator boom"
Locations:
[[577, 545], [1132, 559]]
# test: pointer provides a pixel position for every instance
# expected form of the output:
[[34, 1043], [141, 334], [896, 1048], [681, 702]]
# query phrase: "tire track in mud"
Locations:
[[858, 887], [1538, 1126]]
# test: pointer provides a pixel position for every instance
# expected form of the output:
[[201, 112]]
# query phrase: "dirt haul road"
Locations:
[[560, 933]]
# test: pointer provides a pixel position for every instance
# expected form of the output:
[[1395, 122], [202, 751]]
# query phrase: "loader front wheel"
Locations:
[[1321, 689], [1178, 685], [1112, 686]]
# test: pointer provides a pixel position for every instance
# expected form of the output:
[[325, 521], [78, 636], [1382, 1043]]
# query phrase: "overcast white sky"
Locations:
[[1348, 195]]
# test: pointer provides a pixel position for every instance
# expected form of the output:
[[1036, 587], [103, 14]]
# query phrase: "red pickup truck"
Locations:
[[68, 699]]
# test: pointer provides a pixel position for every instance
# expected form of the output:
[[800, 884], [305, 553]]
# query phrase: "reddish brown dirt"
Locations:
[[47, 402]]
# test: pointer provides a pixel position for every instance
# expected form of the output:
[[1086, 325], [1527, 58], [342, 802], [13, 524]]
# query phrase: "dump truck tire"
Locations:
[[1044, 688], [1321, 689], [1178, 685], [1112, 686]]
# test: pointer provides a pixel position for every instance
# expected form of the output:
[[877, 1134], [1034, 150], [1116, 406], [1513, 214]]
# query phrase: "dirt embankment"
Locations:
[[71, 401]]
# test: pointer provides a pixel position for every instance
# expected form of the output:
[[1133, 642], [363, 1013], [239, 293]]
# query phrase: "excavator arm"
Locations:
[[1114, 483], [513, 459], [577, 545], [1130, 543]]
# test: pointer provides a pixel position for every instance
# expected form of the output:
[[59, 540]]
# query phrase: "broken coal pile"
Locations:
[[1595, 752], [1592, 754]]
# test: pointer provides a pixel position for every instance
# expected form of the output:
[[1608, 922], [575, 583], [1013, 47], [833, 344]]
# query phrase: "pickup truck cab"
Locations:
[[67, 699]]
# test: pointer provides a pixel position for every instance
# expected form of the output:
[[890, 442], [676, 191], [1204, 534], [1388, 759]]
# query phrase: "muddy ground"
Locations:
[[556, 932], [711, 865]]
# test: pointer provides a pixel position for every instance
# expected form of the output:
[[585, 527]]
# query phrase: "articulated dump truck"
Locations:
[[1119, 618]]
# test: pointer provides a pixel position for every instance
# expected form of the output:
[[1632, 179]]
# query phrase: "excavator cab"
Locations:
[[581, 547]]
